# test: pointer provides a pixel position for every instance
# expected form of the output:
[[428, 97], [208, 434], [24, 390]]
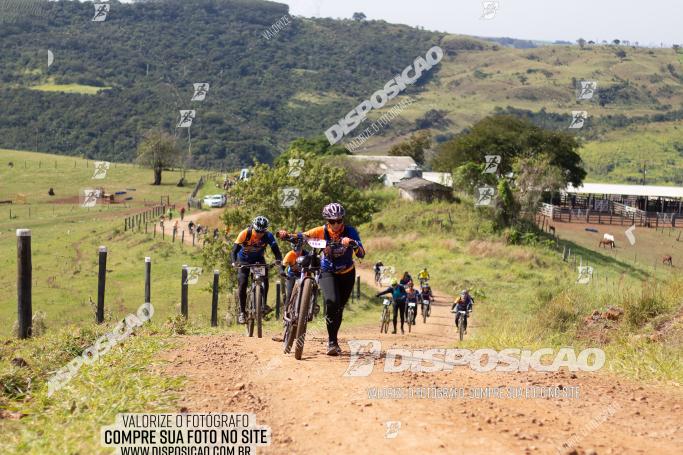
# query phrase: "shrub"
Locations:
[[177, 324], [640, 309]]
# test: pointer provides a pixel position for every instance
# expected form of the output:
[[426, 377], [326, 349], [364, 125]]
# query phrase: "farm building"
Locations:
[[419, 189], [644, 205], [648, 198], [391, 178]]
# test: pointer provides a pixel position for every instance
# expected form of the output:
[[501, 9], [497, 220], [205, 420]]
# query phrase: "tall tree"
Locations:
[[158, 150], [359, 16], [512, 138], [318, 184]]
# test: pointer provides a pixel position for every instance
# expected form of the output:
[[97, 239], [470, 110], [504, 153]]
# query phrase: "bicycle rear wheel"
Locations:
[[462, 328], [302, 319], [250, 315]]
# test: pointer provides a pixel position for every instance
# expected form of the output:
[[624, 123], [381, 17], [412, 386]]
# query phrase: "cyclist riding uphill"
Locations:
[[378, 269], [426, 295], [249, 248], [398, 294], [338, 272], [423, 275], [463, 303], [412, 296]]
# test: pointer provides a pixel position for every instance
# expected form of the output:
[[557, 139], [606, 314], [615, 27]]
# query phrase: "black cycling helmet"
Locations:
[[260, 224]]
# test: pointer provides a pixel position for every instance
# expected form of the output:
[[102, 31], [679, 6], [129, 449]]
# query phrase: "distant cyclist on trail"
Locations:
[[249, 248], [462, 303], [398, 294], [413, 296], [406, 279], [378, 270], [338, 269], [423, 276], [426, 295]]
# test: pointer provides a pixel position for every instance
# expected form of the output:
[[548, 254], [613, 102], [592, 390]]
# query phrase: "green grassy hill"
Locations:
[[97, 100], [66, 237], [635, 115]]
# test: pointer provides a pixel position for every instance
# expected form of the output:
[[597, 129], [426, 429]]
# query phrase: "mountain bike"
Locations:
[[302, 306], [412, 307], [386, 316], [426, 309], [463, 317], [256, 297]]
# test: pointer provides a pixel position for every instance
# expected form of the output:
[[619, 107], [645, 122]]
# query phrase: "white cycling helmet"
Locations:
[[333, 211], [260, 224]]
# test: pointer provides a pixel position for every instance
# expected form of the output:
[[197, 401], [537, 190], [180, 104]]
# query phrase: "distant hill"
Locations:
[[263, 92], [112, 80]]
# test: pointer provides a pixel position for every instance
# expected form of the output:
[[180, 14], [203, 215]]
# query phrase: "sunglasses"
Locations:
[[333, 222]]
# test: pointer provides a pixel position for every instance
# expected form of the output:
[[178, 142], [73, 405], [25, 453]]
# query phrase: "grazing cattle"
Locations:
[[666, 259], [607, 239], [604, 243]]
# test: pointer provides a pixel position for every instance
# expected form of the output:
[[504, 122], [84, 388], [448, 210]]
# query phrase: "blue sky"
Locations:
[[648, 22]]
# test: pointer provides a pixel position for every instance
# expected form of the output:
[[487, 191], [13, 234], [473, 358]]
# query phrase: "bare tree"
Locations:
[[158, 150]]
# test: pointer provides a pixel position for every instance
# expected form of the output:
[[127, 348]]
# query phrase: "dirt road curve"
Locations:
[[312, 408]]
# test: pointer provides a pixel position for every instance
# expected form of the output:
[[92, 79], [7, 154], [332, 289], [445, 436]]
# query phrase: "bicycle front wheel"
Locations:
[[258, 296], [302, 319], [410, 320]]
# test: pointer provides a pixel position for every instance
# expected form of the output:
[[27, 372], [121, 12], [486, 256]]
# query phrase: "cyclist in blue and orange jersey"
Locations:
[[249, 248], [338, 271], [398, 295], [412, 296], [463, 303]]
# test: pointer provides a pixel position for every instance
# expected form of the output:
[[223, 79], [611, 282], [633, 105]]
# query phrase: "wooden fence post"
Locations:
[[148, 280], [101, 281], [24, 283], [182, 238], [174, 231], [214, 300], [183, 292]]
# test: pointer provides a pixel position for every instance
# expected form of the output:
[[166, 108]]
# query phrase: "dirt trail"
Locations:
[[195, 216], [312, 407]]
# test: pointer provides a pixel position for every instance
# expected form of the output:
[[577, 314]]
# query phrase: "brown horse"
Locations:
[[605, 242], [666, 259]]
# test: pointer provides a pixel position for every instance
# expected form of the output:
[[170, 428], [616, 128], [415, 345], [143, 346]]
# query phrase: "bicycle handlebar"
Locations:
[[249, 266]]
